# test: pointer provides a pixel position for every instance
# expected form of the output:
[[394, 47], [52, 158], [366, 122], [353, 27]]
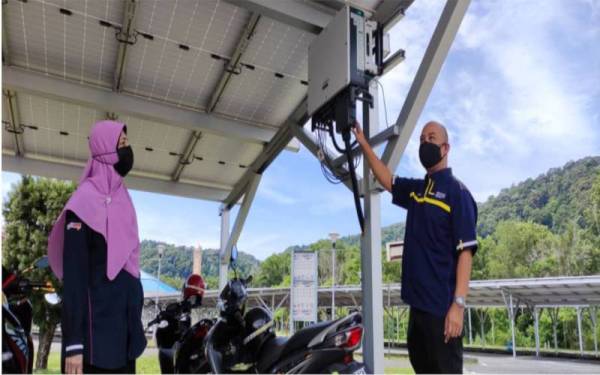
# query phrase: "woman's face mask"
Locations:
[[125, 163]]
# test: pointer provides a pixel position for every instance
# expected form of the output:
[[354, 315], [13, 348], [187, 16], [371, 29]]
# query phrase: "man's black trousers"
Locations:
[[426, 348]]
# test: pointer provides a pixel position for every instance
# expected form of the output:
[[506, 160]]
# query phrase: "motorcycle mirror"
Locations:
[[52, 298], [41, 262]]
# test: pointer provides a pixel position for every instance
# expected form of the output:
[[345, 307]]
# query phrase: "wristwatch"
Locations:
[[460, 301]]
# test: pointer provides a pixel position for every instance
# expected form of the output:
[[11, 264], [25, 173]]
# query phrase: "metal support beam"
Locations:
[[279, 141], [536, 326], [578, 309], [234, 65], [372, 297], [470, 329], [5, 50], [55, 168], [432, 62], [223, 266], [281, 302], [10, 101], [126, 37], [187, 156], [240, 220], [299, 14], [99, 98]]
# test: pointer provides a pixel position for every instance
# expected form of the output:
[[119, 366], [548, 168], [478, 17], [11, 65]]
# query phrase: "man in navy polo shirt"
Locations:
[[439, 243]]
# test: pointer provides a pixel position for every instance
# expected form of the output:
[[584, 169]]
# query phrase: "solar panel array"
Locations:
[[179, 52]]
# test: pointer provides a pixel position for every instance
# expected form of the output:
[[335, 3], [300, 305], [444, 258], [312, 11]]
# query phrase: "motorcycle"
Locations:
[[17, 317], [181, 345], [243, 341]]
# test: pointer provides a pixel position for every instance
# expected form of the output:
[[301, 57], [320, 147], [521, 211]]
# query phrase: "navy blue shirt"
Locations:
[[440, 222]]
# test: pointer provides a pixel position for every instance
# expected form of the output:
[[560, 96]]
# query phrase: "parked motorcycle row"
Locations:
[[17, 316], [240, 340]]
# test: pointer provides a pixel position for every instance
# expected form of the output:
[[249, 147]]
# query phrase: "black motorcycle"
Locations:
[[243, 341], [17, 316], [180, 345]]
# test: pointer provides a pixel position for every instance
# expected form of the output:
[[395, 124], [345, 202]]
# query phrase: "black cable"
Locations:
[[351, 167]]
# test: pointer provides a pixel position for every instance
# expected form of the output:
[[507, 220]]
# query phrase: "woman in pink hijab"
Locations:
[[94, 248]]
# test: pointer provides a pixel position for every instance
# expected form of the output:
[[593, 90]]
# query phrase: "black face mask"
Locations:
[[430, 154], [125, 163]]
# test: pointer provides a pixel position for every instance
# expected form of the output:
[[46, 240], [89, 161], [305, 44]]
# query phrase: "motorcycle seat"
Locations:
[[271, 352], [279, 347]]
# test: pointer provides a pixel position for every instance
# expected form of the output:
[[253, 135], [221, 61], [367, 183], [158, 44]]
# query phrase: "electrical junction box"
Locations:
[[341, 55]]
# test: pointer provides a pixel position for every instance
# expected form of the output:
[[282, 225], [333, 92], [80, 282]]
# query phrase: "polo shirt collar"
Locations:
[[446, 172]]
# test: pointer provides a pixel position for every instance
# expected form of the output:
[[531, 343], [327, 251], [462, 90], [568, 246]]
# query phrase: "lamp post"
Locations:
[[161, 249], [333, 237]]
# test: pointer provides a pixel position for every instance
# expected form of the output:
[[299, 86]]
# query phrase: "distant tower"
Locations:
[[197, 265]]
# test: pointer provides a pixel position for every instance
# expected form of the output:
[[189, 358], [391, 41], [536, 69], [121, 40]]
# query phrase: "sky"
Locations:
[[519, 94]]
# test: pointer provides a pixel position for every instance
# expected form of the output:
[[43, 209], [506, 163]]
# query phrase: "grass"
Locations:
[[146, 364], [398, 370]]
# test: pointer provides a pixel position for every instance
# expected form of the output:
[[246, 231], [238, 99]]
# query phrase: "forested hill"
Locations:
[[554, 199], [547, 226], [176, 263]]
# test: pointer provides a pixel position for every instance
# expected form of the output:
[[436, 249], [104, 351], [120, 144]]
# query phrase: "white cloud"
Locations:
[[519, 91]]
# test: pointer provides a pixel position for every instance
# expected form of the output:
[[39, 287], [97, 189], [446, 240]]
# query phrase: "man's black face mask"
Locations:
[[430, 154], [125, 163]]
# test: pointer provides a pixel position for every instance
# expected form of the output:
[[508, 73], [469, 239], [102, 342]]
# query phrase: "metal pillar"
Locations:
[[493, 333], [470, 331], [372, 298], [578, 309], [333, 237], [554, 317], [536, 330], [482, 326], [511, 315], [223, 267], [594, 318], [161, 249]]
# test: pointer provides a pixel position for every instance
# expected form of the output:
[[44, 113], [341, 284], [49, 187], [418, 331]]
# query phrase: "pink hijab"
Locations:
[[103, 203]]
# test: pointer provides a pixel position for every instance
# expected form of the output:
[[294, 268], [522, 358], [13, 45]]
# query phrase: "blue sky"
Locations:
[[519, 94]]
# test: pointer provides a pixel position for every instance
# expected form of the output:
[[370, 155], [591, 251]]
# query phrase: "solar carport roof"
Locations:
[[203, 86]]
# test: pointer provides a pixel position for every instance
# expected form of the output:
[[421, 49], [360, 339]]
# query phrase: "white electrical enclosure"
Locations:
[[338, 55]]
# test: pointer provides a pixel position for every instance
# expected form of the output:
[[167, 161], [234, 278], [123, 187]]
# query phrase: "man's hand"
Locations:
[[74, 364], [358, 133], [454, 322]]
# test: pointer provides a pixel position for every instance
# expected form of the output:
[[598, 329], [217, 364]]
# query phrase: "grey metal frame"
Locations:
[[135, 180], [10, 101], [127, 33], [51, 87]]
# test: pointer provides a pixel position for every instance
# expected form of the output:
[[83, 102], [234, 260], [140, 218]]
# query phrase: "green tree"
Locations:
[[29, 213], [518, 249]]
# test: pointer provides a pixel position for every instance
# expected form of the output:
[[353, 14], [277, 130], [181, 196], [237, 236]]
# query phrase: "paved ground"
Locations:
[[478, 363]]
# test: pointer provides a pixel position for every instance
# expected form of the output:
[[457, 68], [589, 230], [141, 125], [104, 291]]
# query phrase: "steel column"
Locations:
[[536, 327], [223, 266], [372, 299], [578, 309]]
